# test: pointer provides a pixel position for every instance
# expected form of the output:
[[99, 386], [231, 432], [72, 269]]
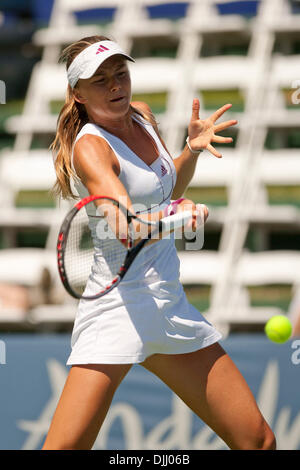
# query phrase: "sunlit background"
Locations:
[[242, 52]]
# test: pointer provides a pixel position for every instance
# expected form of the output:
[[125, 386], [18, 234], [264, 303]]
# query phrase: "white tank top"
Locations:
[[148, 185], [149, 188]]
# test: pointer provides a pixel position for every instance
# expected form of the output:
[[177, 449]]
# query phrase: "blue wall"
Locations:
[[144, 413]]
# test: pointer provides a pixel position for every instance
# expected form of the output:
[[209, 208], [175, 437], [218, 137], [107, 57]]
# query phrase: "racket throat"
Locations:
[[130, 257]]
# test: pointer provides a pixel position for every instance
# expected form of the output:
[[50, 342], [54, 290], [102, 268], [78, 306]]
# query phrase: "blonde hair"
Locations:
[[71, 119]]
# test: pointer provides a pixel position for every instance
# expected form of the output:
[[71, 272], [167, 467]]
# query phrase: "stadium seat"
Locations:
[[26, 202], [25, 266], [32, 170], [161, 76], [205, 17], [284, 75], [199, 267], [63, 26], [257, 269], [278, 16], [135, 22], [48, 83]]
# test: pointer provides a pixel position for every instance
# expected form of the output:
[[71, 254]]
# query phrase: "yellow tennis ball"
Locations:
[[278, 329]]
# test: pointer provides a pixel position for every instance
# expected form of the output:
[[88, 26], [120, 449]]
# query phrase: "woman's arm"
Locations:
[[185, 166], [201, 135], [98, 169]]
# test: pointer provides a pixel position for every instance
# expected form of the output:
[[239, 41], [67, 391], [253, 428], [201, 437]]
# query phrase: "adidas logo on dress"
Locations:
[[163, 170]]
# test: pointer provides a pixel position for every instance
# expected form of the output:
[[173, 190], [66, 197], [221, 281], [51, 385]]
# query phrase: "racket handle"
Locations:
[[172, 222]]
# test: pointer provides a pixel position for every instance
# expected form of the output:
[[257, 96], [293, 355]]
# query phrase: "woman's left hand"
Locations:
[[202, 132], [199, 211]]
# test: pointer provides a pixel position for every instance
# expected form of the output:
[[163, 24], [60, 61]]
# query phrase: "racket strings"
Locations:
[[92, 252]]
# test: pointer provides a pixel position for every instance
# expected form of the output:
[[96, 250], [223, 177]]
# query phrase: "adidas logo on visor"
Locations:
[[102, 49]]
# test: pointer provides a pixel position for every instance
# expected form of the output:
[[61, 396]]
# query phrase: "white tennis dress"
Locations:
[[148, 312]]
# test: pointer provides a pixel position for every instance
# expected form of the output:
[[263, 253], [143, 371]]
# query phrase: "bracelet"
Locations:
[[190, 148], [171, 209]]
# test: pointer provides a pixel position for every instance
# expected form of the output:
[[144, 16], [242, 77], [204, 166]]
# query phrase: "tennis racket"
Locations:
[[99, 239]]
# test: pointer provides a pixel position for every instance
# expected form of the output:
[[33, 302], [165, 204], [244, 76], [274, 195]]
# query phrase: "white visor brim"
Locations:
[[89, 60]]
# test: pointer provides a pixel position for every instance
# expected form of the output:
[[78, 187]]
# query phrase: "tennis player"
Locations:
[[107, 145]]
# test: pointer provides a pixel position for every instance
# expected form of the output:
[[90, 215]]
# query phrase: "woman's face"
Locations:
[[107, 94]]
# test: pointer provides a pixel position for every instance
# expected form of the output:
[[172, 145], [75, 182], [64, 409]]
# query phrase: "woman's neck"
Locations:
[[115, 126]]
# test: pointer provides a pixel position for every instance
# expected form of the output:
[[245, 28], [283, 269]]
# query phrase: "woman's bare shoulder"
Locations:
[[141, 106], [94, 151], [145, 111]]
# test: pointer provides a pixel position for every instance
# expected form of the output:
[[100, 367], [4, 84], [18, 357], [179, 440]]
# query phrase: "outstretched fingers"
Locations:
[[222, 140], [195, 109], [224, 125], [212, 150], [217, 114]]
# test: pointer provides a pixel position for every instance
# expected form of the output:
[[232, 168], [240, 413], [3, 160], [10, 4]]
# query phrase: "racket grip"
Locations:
[[172, 222]]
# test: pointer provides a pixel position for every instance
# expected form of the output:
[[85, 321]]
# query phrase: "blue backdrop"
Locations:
[[144, 414]]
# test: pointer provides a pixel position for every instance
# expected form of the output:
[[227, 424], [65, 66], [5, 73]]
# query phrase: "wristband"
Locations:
[[190, 148], [171, 209]]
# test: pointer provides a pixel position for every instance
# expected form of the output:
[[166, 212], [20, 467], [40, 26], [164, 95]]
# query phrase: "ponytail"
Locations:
[[71, 119]]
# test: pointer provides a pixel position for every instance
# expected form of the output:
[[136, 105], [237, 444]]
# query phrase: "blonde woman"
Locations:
[[107, 145]]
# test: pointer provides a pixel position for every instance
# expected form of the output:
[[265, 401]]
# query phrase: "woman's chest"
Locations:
[[142, 144], [149, 186]]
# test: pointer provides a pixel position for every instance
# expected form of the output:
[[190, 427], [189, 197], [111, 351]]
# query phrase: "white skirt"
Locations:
[[129, 324], [148, 313]]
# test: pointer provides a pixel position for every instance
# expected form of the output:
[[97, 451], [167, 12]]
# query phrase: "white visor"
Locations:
[[87, 61]]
